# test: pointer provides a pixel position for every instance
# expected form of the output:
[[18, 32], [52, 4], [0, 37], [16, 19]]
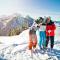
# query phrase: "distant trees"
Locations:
[[17, 30]]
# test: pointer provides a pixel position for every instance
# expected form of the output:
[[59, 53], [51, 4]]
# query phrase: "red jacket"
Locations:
[[50, 26]]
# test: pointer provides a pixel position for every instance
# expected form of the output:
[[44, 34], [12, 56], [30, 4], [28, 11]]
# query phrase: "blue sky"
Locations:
[[33, 8]]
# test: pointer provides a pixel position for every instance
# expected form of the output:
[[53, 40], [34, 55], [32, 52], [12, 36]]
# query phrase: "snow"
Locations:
[[16, 48], [15, 39]]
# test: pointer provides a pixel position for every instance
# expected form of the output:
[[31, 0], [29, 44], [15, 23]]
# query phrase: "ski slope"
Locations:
[[15, 48]]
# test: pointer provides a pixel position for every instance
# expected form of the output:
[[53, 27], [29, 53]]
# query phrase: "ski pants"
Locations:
[[32, 43], [42, 39], [51, 38]]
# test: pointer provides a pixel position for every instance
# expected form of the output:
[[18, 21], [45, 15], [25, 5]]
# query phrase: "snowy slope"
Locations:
[[15, 48]]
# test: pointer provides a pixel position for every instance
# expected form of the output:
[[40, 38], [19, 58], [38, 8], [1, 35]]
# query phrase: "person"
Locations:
[[42, 33], [32, 39], [50, 28]]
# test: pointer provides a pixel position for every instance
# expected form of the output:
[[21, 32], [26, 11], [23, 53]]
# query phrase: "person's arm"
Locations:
[[53, 27]]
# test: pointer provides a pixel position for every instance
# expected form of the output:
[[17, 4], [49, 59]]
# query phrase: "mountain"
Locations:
[[15, 21], [57, 23], [1, 25], [30, 20]]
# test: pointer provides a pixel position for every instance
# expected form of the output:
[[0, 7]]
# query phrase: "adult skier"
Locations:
[[50, 32], [32, 38]]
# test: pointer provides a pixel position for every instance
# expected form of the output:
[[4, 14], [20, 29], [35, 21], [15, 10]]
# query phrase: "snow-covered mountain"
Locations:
[[16, 48], [13, 21], [57, 23], [1, 25], [30, 20]]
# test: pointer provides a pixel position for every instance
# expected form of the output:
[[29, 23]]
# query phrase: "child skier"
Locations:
[[32, 38], [42, 34]]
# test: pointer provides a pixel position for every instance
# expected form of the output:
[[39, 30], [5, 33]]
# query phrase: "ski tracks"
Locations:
[[14, 52]]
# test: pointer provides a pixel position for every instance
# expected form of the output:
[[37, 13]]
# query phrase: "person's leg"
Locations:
[[30, 42], [44, 39], [30, 46], [47, 40], [40, 40], [35, 41], [52, 41]]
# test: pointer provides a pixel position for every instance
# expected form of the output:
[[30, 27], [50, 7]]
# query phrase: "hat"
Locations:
[[41, 18]]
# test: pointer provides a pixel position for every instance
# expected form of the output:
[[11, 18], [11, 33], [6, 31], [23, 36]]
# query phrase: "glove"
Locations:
[[49, 31]]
